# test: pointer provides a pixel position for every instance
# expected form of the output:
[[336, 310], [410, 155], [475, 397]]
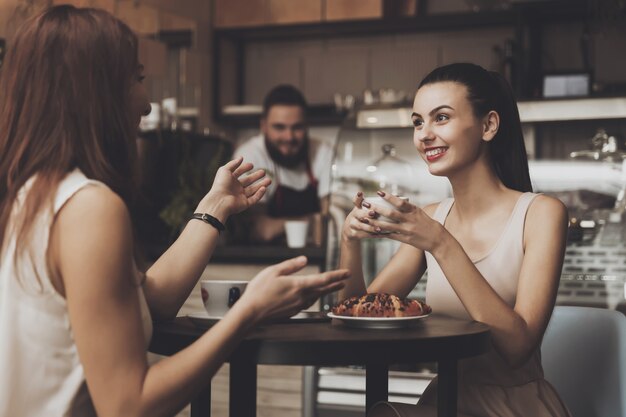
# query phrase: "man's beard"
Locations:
[[290, 161]]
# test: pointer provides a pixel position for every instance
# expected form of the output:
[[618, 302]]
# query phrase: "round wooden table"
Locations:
[[433, 339]]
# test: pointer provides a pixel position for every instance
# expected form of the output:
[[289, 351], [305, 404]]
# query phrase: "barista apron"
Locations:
[[288, 202]]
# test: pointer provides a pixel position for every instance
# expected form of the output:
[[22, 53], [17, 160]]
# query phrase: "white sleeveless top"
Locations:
[[40, 371]]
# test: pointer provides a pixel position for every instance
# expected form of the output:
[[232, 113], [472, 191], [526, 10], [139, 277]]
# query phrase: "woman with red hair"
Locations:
[[75, 312]]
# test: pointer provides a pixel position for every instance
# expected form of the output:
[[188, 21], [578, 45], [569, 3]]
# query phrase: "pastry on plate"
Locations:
[[380, 305]]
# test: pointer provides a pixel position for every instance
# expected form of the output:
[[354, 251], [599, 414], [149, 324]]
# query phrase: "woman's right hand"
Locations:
[[235, 189], [356, 227], [275, 292]]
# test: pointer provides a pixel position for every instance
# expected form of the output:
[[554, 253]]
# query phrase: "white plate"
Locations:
[[378, 322]]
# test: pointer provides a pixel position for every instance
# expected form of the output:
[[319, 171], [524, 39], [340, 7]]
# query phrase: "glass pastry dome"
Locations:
[[375, 151]]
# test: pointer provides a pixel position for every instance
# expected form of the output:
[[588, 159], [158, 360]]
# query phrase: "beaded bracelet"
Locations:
[[208, 219]]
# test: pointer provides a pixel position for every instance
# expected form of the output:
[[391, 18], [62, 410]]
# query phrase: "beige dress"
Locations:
[[487, 385]]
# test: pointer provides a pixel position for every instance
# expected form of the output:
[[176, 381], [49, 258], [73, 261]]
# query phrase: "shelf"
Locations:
[[572, 109], [384, 118], [547, 11], [317, 115], [369, 27], [553, 110], [527, 18]]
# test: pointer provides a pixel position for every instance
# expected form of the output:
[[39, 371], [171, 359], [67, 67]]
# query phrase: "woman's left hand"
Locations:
[[412, 225], [231, 193]]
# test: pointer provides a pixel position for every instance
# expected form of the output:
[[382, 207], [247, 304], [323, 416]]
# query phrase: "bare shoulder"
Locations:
[[547, 206], [93, 218], [430, 209], [91, 236], [546, 214], [94, 205]]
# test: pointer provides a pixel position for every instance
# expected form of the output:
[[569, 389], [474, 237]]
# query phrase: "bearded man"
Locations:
[[298, 165]]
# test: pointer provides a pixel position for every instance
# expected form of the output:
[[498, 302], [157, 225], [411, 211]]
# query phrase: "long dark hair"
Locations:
[[489, 91], [65, 85]]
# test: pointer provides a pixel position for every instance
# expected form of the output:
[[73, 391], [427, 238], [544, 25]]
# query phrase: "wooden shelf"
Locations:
[[526, 18], [369, 26], [543, 12], [318, 115]]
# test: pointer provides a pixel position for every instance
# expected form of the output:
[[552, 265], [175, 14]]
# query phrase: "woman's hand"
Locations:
[[231, 194], [412, 225], [275, 293], [356, 227]]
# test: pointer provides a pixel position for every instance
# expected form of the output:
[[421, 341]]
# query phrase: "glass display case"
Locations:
[[594, 267]]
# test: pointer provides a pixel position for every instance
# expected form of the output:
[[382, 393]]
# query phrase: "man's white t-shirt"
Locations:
[[320, 154]]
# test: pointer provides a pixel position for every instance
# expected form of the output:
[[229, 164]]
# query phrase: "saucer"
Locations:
[[202, 318]]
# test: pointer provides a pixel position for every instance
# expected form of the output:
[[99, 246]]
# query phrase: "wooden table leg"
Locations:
[[447, 389], [242, 401], [376, 384], [201, 405]]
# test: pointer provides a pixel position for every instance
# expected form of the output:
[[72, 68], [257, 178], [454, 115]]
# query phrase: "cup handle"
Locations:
[[233, 295]]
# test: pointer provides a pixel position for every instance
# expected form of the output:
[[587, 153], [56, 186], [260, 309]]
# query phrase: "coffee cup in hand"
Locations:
[[296, 231], [219, 296], [381, 202]]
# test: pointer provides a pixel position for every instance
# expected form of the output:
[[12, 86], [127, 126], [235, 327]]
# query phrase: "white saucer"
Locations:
[[202, 318]]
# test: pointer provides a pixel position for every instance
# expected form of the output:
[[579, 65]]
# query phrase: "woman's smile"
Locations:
[[434, 153]]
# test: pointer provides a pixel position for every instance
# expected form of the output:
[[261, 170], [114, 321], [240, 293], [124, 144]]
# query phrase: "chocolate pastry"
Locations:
[[380, 305]]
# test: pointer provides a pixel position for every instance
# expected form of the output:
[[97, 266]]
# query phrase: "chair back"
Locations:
[[584, 358]]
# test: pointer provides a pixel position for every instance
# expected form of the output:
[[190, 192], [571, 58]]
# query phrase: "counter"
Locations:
[[267, 254]]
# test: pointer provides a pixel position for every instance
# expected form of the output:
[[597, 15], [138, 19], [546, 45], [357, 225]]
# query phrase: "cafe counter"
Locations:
[[266, 254]]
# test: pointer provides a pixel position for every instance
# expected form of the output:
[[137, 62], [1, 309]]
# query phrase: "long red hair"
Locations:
[[64, 104]]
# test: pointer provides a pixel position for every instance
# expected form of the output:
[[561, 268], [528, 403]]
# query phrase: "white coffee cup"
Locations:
[[296, 231], [219, 296], [381, 202]]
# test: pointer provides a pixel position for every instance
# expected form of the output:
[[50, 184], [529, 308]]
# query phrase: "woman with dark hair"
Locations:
[[493, 252], [75, 313]]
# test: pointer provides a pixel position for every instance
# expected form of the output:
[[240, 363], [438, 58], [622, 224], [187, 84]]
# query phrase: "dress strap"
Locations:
[[443, 209], [518, 217]]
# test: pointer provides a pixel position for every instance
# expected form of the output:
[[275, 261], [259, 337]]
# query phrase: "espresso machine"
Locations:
[[594, 268]]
